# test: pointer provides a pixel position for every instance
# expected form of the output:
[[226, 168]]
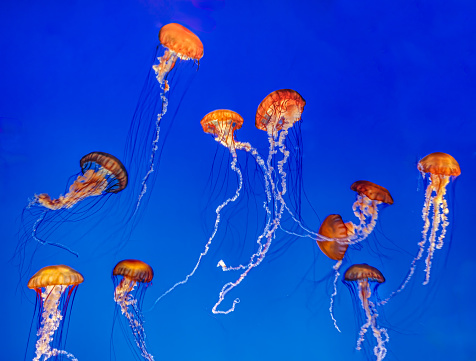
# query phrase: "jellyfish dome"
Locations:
[[333, 237], [279, 111]]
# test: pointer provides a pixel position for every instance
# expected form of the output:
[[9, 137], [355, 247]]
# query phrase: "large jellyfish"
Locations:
[[131, 278], [177, 44], [55, 288], [101, 174], [363, 281]]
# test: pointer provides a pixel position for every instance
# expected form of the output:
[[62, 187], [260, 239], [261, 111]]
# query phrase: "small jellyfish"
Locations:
[[131, 278], [55, 288], [363, 281], [370, 197], [442, 168], [333, 236], [222, 124], [101, 175], [333, 241]]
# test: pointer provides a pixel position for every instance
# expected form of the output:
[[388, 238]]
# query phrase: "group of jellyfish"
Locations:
[[103, 174]]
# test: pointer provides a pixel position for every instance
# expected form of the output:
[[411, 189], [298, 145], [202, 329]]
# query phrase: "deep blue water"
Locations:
[[385, 84]]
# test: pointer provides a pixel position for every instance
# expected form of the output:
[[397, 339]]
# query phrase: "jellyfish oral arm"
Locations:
[[215, 227], [128, 304], [89, 184], [51, 318], [367, 211], [155, 142], [438, 184], [331, 302], [371, 315]]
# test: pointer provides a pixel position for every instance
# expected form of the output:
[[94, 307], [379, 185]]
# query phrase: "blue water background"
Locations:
[[386, 83]]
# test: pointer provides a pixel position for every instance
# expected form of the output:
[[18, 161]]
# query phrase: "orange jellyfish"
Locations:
[[442, 168], [333, 241], [101, 174], [333, 236], [363, 281], [177, 43], [55, 288], [369, 197], [276, 114], [131, 278], [222, 124]]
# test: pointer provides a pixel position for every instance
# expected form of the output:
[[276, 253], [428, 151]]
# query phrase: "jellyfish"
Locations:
[[370, 197], [101, 175], [442, 168], [131, 278], [222, 124], [333, 241], [276, 115], [363, 281], [55, 288], [177, 44]]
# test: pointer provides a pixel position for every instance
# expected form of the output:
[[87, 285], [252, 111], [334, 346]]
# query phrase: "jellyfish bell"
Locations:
[[279, 110], [134, 270], [363, 281], [55, 287], [439, 163], [107, 164], [131, 278], [363, 273], [372, 191]]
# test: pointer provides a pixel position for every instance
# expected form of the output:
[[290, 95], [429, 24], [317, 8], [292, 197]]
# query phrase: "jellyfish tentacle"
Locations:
[[215, 228], [331, 302], [124, 298]]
